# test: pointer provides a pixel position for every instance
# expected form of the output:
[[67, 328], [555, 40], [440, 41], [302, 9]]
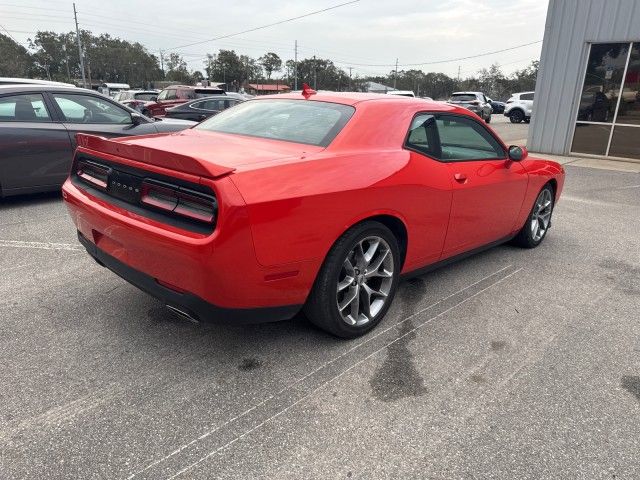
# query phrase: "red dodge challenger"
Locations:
[[318, 201]]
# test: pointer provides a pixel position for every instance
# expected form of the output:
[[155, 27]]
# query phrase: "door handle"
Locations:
[[460, 177]]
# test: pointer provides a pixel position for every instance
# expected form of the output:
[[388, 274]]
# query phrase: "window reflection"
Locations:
[[625, 142], [629, 110], [591, 139], [602, 82]]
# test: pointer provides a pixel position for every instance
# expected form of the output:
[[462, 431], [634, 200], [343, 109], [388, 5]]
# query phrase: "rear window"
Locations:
[[146, 96], [299, 121], [463, 97]]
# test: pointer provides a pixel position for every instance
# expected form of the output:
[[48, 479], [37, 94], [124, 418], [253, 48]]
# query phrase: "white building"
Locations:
[[587, 98]]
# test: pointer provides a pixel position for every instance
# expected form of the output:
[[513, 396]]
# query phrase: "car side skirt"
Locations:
[[456, 258]]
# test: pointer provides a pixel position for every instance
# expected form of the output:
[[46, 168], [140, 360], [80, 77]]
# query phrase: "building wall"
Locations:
[[570, 26]]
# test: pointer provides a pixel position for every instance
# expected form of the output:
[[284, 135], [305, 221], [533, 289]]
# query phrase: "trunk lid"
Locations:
[[202, 153]]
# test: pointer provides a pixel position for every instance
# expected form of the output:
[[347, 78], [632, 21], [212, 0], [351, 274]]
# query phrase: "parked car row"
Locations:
[[518, 108]]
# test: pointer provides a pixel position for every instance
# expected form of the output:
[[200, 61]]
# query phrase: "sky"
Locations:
[[366, 35]]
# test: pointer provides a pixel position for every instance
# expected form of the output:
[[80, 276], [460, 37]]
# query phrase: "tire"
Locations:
[[527, 120], [536, 227], [488, 119], [343, 275], [516, 116]]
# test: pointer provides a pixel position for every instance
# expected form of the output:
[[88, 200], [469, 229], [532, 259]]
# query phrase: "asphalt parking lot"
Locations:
[[510, 364]]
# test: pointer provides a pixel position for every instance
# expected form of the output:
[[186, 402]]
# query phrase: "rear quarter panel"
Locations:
[[298, 211]]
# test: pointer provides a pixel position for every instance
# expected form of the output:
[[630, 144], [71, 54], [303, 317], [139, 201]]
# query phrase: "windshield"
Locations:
[[300, 121], [465, 97]]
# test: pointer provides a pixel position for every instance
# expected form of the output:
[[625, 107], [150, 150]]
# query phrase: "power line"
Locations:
[[440, 61], [8, 33], [268, 25]]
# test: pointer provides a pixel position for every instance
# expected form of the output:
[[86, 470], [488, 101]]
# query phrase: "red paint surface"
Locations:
[[282, 205]]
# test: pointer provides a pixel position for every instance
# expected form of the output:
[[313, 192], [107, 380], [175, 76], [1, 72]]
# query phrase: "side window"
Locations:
[[526, 96], [23, 108], [171, 95], [465, 139], [89, 109], [162, 96], [423, 135]]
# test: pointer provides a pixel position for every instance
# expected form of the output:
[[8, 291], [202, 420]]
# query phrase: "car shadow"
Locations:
[[32, 199]]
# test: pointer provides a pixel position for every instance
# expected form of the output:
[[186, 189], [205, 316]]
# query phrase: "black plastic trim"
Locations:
[[196, 307], [456, 258]]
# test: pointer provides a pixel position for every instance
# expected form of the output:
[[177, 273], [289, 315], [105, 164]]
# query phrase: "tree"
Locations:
[[270, 62], [232, 69], [177, 69], [322, 73], [15, 60]]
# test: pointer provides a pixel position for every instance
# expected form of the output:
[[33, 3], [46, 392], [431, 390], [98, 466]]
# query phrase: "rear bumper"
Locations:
[[188, 304]]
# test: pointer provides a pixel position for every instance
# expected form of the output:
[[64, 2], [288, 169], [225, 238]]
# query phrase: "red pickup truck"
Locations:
[[175, 95]]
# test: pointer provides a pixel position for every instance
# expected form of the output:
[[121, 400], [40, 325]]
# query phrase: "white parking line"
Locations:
[[322, 385], [321, 367], [41, 245]]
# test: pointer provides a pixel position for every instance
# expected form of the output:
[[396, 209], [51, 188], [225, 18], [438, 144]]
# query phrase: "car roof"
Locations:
[[43, 88], [353, 98], [31, 81], [466, 93]]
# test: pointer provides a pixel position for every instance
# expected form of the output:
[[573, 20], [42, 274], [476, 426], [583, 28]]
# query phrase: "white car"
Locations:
[[519, 107], [402, 93]]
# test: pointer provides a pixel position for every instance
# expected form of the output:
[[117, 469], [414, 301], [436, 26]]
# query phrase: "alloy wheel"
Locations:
[[541, 215], [365, 281]]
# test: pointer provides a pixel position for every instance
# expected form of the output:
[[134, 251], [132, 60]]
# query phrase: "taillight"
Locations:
[[93, 173], [181, 201], [475, 102]]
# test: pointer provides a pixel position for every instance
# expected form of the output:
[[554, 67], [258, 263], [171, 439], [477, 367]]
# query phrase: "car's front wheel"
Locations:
[[538, 221], [488, 119], [516, 116], [357, 281]]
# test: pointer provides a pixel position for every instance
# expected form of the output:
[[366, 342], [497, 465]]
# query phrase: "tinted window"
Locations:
[[23, 108], [422, 129], [170, 95], [452, 138], [463, 97], [89, 109], [146, 96], [629, 110], [602, 82], [300, 121], [526, 96]]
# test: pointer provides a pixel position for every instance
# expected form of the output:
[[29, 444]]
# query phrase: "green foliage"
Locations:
[[15, 60], [270, 62]]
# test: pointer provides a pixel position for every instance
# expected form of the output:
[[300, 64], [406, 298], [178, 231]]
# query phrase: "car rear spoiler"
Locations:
[[152, 156]]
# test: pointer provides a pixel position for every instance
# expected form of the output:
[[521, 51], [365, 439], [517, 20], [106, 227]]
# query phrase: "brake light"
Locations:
[[93, 173], [178, 200], [475, 102]]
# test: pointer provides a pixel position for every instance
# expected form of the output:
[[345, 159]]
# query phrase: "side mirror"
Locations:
[[517, 153], [137, 119]]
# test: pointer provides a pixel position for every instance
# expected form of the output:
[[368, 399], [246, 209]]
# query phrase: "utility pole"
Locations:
[[315, 78], [395, 77], [84, 52], [162, 63], [350, 68], [75, 16], [458, 73], [295, 68]]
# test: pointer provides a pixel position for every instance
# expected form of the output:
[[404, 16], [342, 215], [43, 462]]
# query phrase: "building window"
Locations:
[[608, 118]]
